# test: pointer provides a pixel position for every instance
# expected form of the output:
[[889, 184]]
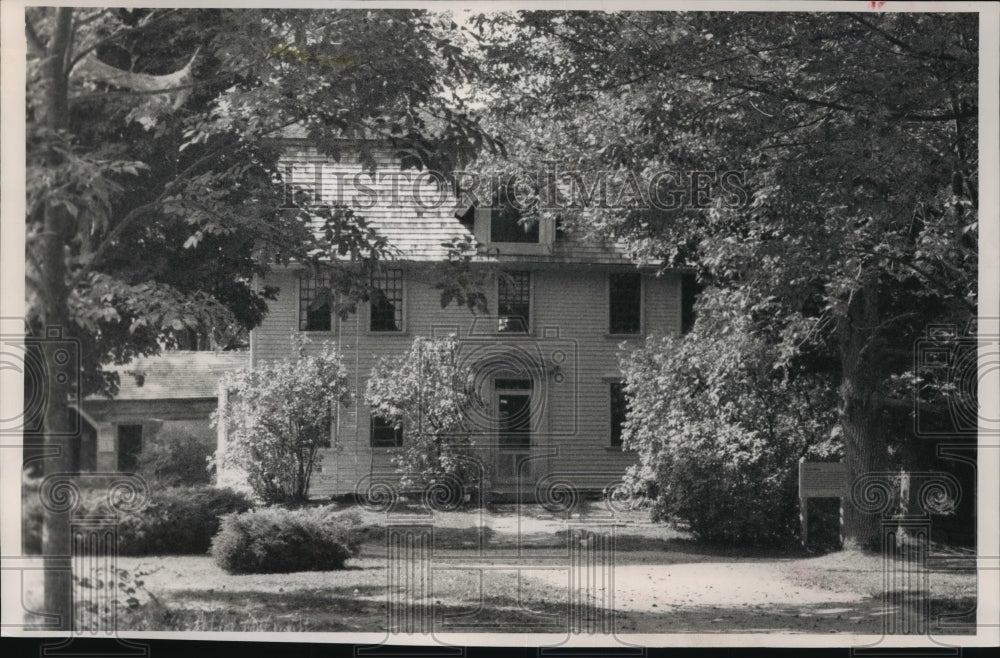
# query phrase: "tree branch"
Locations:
[[899, 42]]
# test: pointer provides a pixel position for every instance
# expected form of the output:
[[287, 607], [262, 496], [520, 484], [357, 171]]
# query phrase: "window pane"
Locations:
[[384, 435], [514, 292], [617, 413], [315, 307], [625, 295], [387, 301]]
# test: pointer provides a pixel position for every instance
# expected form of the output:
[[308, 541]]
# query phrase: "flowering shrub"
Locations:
[[279, 415], [428, 392], [719, 429]]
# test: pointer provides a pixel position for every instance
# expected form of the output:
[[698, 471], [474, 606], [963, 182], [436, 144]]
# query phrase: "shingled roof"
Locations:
[[176, 375], [408, 207]]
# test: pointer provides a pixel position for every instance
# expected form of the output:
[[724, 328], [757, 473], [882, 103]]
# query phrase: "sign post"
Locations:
[[820, 480]]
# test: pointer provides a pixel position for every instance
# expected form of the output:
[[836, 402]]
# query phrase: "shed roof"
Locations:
[[176, 375]]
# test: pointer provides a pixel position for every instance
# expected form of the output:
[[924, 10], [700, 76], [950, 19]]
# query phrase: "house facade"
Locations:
[[545, 354]]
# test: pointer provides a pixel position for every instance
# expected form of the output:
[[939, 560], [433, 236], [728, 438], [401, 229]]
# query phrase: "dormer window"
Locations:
[[507, 221], [506, 225]]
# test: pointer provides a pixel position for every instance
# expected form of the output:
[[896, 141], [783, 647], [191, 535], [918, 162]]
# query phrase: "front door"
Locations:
[[513, 398]]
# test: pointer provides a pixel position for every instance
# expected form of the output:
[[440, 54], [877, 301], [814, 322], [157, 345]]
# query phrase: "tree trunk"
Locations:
[[55, 314], [861, 421]]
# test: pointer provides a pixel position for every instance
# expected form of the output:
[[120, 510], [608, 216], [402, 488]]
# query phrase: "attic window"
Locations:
[[315, 303]]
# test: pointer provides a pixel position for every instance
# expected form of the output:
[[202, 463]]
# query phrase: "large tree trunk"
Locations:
[[55, 314], [861, 419]]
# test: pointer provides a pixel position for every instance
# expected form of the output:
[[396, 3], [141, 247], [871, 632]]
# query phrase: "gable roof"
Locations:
[[176, 375], [409, 208]]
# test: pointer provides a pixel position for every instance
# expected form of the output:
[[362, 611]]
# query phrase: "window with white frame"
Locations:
[[387, 301], [315, 302], [384, 434], [514, 302]]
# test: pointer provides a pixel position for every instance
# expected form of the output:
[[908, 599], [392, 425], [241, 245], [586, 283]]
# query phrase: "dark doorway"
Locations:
[[515, 420], [129, 447]]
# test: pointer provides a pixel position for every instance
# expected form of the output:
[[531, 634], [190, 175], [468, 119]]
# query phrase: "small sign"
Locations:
[[822, 479]]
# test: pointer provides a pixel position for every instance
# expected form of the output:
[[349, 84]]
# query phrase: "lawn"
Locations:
[[506, 571]]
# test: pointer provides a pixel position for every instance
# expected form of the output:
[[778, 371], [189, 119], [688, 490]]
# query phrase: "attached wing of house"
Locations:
[[176, 391]]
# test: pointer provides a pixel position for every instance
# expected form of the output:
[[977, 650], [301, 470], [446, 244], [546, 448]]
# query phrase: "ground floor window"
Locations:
[[384, 434]]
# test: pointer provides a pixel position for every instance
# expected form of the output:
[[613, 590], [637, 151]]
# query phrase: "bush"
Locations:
[[276, 540], [175, 520], [429, 392], [278, 417], [175, 457], [720, 422], [178, 521]]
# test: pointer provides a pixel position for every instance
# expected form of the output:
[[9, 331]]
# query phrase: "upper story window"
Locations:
[[625, 303], [514, 302], [384, 434], [387, 301], [618, 410], [315, 303], [689, 294]]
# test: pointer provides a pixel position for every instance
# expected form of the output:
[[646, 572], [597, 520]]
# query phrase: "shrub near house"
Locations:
[[719, 422], [279, 415], [429, 391], [277, 540], [174, 521]]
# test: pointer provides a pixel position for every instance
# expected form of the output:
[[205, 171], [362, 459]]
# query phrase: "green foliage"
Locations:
[[429, 392], [276, 540], [177, 520], [719, 428], [175, 457], [279, 415]]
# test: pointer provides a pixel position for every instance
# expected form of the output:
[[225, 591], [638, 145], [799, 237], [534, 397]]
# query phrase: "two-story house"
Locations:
[[546, 354]]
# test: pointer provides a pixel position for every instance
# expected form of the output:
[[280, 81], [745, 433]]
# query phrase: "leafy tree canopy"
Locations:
[[152, 140], [852, 222]]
